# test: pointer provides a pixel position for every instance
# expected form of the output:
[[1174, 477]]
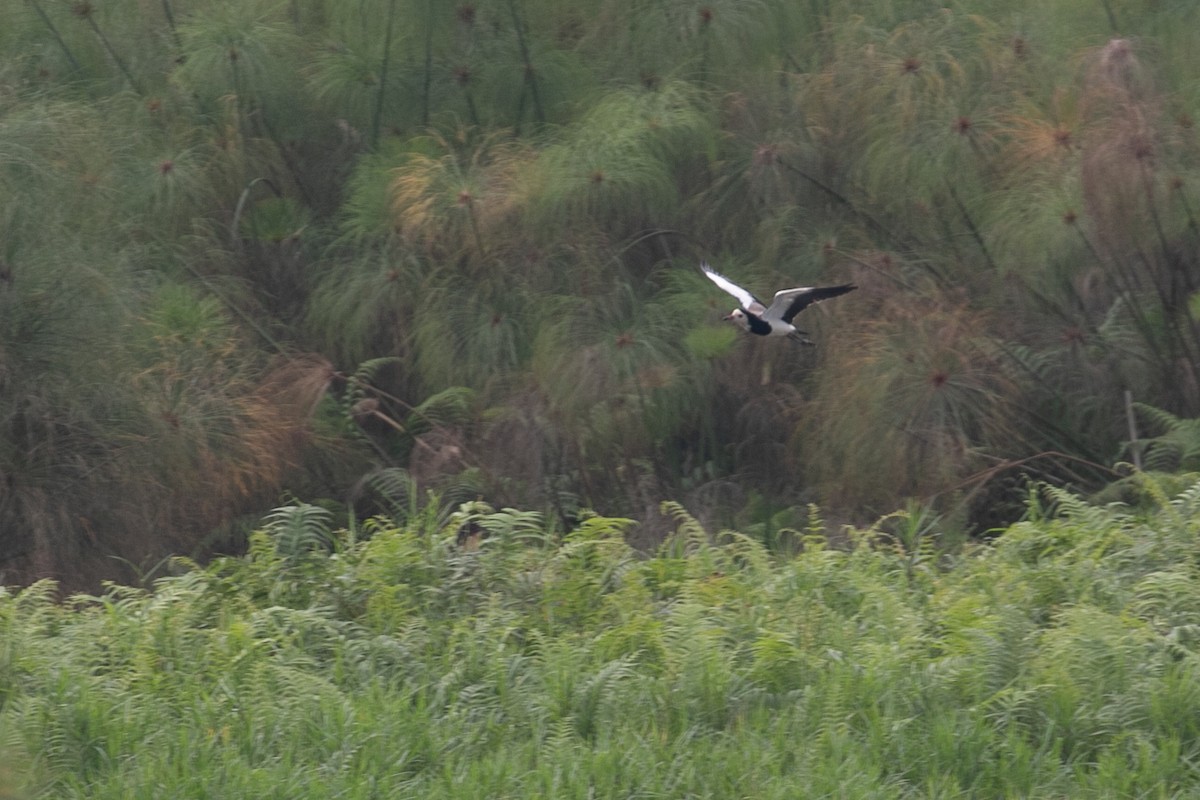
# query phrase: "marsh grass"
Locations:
[[509, 198]]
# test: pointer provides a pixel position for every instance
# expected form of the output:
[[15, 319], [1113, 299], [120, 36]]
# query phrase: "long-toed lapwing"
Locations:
[[775, 319]]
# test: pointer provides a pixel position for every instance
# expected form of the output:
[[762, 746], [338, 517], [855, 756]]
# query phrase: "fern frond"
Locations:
[[450, 407], [1187, 502], [1177, 447], [509, 523], [365, 375], [694, 535], [299, 530], [392, 488], [1070, 506]]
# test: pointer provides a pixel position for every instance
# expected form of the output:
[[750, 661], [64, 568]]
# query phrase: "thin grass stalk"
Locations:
[[1148, 188], [249, 320], [972, 227], [1135, 447], [87, 13], [950, 232], [427, 82], [1073, 292], [463, 73], [169, 13], [872, 223], [57, 36], [1174, 319], [1087, 243], [236, 77], [582, 460], [1177, 341], [1112, 17], [1125, 285], [1187, 209], [377, 118], [1119, 282], [1168, 296], [475, 229], [288, 160], [384, 456], [552, 483], [1056, 308], [530, 74], [637, 385], [705, 44], [520, 109], [1188, 277], [474, 114]]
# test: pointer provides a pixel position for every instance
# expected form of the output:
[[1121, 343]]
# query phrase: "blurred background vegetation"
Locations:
[[255, 249]]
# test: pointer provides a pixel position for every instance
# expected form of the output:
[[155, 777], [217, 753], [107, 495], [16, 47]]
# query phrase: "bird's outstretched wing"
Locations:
[[747, 300], [790, 302]]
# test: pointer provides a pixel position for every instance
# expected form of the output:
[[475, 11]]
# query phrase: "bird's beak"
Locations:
[[727, 317]]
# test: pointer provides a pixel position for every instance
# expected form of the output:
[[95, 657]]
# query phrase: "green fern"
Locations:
[[691, 533], [299, 530], [1177, 448], [452, 407]]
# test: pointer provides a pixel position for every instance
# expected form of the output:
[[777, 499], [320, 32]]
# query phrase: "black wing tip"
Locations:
[[827, 292], [815, 295]]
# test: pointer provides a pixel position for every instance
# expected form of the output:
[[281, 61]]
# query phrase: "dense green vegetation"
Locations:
[[253, 248], [416, 261], [1059, 661]]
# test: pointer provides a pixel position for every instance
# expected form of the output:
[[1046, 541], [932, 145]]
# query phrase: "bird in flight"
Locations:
[[775, 319]]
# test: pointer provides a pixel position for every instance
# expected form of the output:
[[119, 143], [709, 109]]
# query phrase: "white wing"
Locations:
[[747, 300]]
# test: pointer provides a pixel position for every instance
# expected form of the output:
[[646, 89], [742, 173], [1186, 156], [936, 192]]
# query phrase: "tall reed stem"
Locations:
[[531, 80], [86, 12], [57, 36], [428, 78], [377, 117], [169, 13]]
